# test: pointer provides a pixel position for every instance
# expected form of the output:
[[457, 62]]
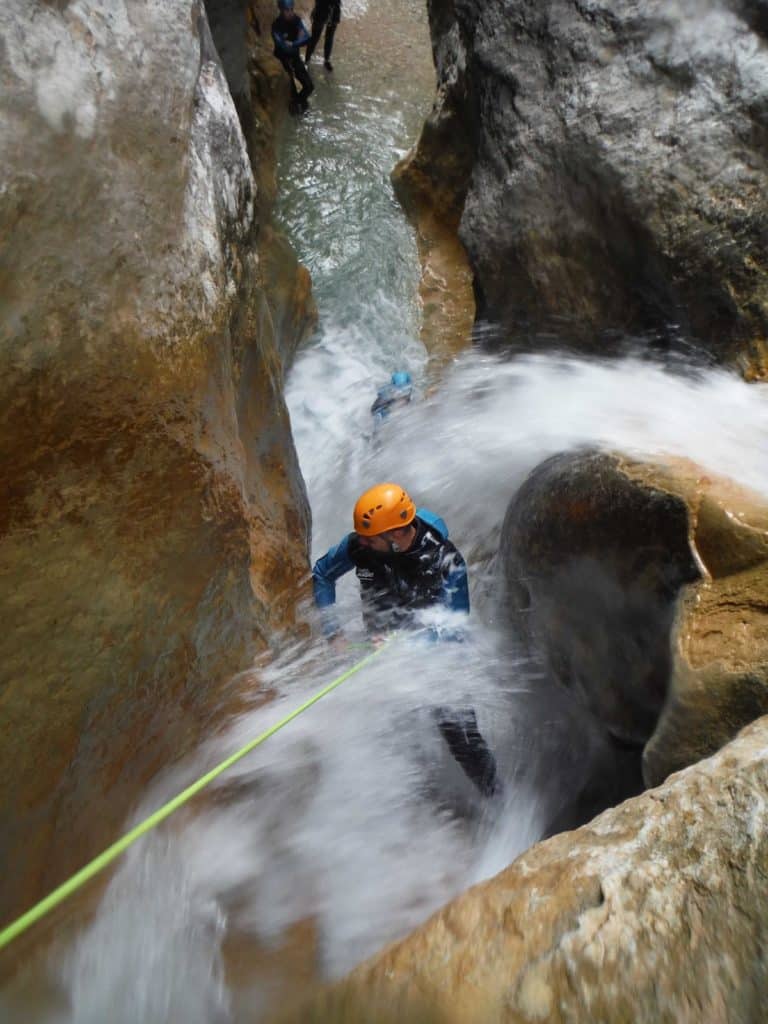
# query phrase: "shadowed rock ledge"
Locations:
[[153, 519]]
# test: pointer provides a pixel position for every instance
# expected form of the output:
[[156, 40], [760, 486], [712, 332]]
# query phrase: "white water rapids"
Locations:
[[355, 815], [355, 818]]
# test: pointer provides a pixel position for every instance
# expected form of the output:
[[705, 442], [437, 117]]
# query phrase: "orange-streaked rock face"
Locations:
[[655, 912], [431, 183], [153, 522]]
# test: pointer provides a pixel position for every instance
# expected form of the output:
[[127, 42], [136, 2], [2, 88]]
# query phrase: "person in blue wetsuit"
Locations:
[[405, 562], [398, 392], [289, 36]]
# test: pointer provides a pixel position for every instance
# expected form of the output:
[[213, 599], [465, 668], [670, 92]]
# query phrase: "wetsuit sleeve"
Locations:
[[302, 38], [455, 596], [380, 403], [379, 412], [326, 570]]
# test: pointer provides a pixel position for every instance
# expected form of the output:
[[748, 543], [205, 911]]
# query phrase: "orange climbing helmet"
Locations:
[[383, 507]]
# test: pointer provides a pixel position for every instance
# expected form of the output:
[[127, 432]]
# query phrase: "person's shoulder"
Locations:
[[434, 521], [339, 549]]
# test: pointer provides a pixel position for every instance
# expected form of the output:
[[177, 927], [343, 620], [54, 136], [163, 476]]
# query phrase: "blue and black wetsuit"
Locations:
[[396, 585], [393, 587], [289, 36]]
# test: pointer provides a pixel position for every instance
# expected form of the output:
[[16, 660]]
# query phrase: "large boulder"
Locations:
[[654, 913], [618, 167], [154, 523], [643, 589], [592, 563]]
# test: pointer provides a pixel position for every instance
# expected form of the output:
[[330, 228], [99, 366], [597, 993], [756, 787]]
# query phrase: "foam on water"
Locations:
[[347, 818], [466, 448], [356, 816]]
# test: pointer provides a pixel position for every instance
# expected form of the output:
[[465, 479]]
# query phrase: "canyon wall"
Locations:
[[154, 522]]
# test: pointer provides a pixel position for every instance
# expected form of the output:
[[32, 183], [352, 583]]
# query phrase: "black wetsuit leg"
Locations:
[[320, 14], [294, 65], [465, 741], [326, 14], [307, 85], [330, 31]]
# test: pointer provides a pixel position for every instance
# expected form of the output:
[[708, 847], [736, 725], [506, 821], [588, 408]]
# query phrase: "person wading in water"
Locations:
[[405, 562], [325, 14], [289, 36]]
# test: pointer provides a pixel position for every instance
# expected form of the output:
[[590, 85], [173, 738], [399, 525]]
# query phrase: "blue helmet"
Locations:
[[398, 390], [285, 5]]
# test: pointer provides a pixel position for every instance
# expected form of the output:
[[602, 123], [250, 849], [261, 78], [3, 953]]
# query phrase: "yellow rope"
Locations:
[[13, 930]]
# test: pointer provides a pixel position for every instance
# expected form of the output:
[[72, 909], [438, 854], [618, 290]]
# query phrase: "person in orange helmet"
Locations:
[[403, 560], [404, 563]]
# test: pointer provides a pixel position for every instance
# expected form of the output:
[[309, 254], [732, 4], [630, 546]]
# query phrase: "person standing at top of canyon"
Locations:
[[325, 14], [290, 35]]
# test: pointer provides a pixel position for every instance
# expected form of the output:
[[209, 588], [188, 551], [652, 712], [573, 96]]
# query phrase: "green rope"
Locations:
[[13, 930]]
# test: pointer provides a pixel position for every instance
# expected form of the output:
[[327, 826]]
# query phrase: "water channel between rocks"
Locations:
[[349, 828]]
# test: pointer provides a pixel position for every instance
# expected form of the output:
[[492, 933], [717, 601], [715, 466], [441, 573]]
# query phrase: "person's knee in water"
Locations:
[[404, 563], [289, 36], [325, 14]]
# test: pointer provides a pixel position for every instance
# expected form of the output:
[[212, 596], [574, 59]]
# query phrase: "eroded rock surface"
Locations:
[[720, 639], [643, 589], [618, 167], [592, 563], [154, 524], [655, 912]]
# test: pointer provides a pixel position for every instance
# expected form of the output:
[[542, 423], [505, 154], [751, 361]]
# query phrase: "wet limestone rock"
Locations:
[[655, 913], [431, 183], [241, 31], [720, 640], [618, 168], [643, 588], [153, 523], [592, 563]]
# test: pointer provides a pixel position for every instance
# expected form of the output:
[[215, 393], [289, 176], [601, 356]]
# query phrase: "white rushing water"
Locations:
[[355, 817], [464, 449]]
